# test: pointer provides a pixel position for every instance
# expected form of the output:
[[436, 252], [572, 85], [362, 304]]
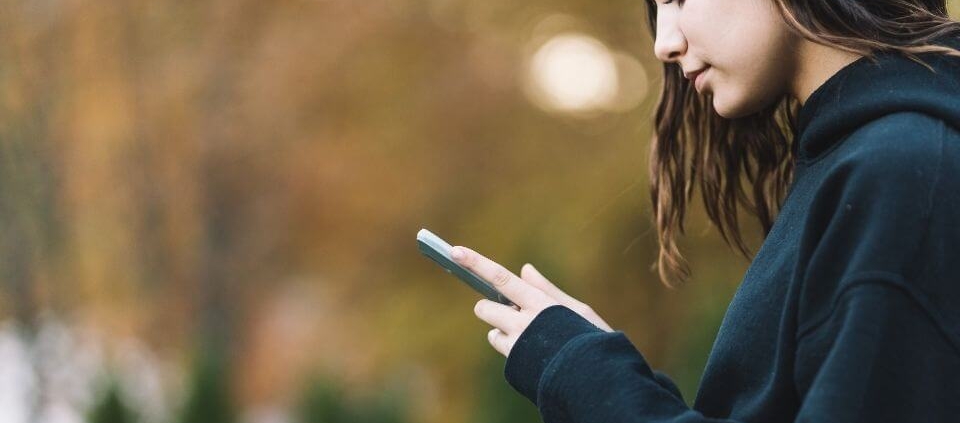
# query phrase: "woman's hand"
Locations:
[[531, 293]]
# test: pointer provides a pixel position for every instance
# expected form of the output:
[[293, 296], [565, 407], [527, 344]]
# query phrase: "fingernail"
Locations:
[[456, 253]]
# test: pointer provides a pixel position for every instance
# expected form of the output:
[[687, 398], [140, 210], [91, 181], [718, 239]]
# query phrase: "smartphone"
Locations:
[[438, 250]]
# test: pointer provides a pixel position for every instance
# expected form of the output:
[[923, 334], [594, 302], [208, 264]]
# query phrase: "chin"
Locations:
[[737, 107], [726, 110]]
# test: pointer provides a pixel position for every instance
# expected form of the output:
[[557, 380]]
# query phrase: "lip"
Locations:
[[699, 78], [693, 74]]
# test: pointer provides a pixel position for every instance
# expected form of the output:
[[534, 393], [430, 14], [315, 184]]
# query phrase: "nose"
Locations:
[[670, 43]]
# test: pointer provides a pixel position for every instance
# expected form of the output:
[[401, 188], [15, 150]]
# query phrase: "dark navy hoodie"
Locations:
[[849, 312]]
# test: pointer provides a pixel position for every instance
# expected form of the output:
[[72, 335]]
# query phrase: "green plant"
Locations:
[[111, 407]]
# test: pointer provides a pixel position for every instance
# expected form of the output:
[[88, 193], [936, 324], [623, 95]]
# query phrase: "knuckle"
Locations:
[[501, 277], [469, 258]]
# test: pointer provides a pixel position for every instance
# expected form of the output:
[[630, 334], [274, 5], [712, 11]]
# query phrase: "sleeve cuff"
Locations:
[[539, 343]]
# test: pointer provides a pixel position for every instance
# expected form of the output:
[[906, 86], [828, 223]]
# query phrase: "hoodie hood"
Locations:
[[863, 91]]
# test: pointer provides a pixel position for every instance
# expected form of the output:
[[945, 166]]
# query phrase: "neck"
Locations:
[[816, 64]]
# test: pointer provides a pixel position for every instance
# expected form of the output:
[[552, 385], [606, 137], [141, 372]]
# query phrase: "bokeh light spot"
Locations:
[[572, 72]]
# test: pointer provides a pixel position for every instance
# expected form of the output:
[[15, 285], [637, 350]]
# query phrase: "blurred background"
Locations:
[[209, 208]]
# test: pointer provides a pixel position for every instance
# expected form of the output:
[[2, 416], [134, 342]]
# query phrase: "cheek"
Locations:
[[749, 46], [753, 77]]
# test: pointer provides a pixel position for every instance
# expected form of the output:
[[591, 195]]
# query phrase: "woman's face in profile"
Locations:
[[745, 46]]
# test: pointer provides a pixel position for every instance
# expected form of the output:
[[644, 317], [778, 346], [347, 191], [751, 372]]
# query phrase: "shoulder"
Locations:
[[906, 154], [899, 138], [878, 189]]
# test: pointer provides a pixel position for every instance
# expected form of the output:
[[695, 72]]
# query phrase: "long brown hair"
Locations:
[[748, 162]]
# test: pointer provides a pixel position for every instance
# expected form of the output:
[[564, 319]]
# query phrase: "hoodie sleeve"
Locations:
[[877, 360], [576, 372]]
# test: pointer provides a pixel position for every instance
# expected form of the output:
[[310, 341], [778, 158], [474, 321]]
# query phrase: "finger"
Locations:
[[499, 340], [505, 318], [530, 274], [514, 288]]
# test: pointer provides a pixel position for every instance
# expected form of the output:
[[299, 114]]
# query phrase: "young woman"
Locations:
[[837, 125]]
